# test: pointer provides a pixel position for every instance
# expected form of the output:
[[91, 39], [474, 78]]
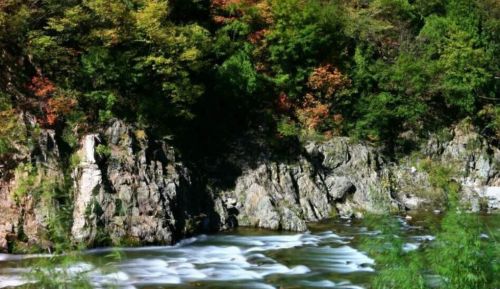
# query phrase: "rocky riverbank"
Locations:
[[126, 188]]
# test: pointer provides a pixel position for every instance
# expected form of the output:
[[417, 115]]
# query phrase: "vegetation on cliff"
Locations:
[[383, 70]]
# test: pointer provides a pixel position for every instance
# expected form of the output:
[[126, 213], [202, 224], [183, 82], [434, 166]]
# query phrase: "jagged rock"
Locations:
[[409, 184], [328, 177], [340, 177], [127, 187], [129, 194], [476, 160], [10, 214], [88, 180], [474, 164], [25, 216]]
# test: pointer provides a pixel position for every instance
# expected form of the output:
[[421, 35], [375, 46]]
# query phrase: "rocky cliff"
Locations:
[[335, 177], [123, 187], [131, 188]]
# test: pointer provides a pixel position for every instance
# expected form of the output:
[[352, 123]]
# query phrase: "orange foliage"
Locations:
[[313, 112], [257, 36], [41, 86], [324, 82], [284, 104], [52, 107], [57, 107], [327, 80]]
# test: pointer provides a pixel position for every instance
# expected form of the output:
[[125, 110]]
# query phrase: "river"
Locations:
[[328, 256]]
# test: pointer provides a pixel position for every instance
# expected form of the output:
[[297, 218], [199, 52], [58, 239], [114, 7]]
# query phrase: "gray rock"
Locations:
[[492, 196], [25, 213], [130, 195], [135, 189], [329, 178], [88, 183], [474, 164]]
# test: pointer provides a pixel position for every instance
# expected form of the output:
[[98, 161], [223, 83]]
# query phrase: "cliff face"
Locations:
[[124, 187], [121, 187], [130, 188], [328, 178], [471, 162], [339, 177], [25, 213]]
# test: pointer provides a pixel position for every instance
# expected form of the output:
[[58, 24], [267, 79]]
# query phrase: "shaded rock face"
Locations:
[[10, 215], [328, 178]]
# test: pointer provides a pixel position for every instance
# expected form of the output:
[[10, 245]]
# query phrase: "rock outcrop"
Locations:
[[24, 205], [472, 163], [327, 179], [338, 177], [127, 188]]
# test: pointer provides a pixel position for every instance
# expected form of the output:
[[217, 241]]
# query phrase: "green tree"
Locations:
[[303, 34]]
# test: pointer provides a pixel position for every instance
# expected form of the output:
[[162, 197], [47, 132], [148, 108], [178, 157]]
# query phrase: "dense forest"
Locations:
[[131, 122], [384, 71]]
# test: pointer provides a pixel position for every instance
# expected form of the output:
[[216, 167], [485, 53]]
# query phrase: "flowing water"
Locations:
[[326, 257]]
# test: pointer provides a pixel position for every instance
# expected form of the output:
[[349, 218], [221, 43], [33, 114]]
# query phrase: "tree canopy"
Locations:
[[386, 71]]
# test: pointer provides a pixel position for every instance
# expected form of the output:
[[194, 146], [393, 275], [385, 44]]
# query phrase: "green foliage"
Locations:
[[288, 128], [74, 160], [398, 269], [377, 116], [55, 272], [301, 33], [440, 177], [103, 151], [408, 67], [51, 195], [491, 116], [459, 256], [12, 132], [419, 73], [27, 175], [239, 75]]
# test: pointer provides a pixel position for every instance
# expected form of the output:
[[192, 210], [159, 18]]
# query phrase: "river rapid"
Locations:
[[327, 256]]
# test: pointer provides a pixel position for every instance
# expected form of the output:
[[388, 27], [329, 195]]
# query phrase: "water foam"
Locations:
[[222, 258]]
